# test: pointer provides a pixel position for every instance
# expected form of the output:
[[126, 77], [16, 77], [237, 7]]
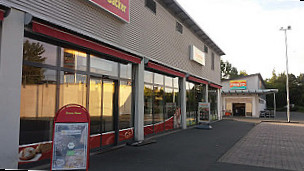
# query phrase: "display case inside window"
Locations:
[[37, 105]]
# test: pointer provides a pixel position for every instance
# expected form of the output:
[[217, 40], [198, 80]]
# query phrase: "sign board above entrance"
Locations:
[[238, 85], [119, 8], [197, 55]]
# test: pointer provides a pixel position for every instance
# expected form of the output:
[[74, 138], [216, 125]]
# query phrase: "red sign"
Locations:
[[70, 147], [120, 8]]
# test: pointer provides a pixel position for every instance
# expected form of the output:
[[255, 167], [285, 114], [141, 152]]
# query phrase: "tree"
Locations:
[[32, 52]]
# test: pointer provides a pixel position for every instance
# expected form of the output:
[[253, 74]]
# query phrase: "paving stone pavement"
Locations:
[[272, 145]]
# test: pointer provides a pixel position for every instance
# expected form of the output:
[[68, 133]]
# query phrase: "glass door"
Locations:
[[103, 112]]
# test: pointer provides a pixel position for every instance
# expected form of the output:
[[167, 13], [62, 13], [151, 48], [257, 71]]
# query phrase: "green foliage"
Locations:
[[296, 90], [32, 52], [230, 72]]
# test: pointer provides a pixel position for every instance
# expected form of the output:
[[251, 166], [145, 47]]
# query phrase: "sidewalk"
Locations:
[[191, 149]]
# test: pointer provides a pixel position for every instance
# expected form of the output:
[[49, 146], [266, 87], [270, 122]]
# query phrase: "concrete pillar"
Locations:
[[219, 104], [254, 107], [207, 93], [139, 101], [183, 100], [11, 55]]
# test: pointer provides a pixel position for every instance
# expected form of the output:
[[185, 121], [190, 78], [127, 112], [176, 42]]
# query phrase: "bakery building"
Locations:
[[140, 68], [245, 96]]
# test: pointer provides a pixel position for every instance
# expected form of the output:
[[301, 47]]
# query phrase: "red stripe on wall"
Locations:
[[59, 34], [215, 86], [190, 78], [165, 69], [1, 15]]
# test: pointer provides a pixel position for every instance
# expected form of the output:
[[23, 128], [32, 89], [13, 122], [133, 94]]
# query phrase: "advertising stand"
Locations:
[[70, 147], [203, 112]]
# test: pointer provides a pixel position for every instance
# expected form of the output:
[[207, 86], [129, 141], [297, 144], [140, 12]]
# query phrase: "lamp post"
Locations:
[[287, 85]]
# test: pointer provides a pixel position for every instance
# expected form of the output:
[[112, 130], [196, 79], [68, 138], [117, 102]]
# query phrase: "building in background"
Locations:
[[245, 96], [140, 67]]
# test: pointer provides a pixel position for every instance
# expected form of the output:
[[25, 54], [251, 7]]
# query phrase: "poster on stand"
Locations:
[[70, 146], [203, 112]]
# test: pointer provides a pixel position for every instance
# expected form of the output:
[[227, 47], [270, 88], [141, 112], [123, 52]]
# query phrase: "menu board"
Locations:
[[203, 111], [70, 146]]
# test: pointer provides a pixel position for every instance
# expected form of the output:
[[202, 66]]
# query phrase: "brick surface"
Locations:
[[273, 145]]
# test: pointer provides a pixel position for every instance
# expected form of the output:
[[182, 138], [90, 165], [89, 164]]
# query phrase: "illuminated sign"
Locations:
[[238, 85], [197, 55], [119, 8]]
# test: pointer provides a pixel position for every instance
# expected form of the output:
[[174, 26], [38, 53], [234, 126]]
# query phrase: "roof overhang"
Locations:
[[259, 92]]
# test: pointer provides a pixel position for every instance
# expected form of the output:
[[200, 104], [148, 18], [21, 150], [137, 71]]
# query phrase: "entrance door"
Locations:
[[238, 109], [103, 104]]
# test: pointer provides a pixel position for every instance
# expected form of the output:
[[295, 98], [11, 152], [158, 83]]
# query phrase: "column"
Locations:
[[182, 92], [254, 107], [219, 104], [12, 32], [139, 70]]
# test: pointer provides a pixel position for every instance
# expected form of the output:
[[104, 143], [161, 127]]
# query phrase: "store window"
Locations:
[[195, 94], [161, 102], [212, 98], [104, 67], [49, 84], [73, 59], [39, 52], [125, 105], [37, 106], [72, 89], [148, 98]]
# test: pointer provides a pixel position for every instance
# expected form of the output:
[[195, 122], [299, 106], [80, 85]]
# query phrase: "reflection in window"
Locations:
[[72, 89], [95, 105], [125, 99], [102, 66], [158, 107], [148, 77], [107, 102], [191, 103], [40, 52], [126, 71], [168, 81], [158, 79], [73, 59], [212, 98], [148, 91], [170, 104], [37, 106]]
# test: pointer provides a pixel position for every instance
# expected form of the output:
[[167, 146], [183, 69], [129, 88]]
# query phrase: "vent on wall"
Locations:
[[179, 27], [151, 5], [206, 48]]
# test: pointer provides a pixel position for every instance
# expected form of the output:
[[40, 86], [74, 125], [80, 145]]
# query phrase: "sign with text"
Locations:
[[238, 85], [197, 55], [203, 111], [70, 147], [119, 8]]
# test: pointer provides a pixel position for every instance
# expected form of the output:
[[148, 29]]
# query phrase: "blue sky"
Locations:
[[248, 32]]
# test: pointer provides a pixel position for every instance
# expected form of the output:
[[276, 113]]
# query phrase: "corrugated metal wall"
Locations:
[[151, 35]]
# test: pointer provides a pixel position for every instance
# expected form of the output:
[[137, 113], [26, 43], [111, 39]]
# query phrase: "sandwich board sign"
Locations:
[[203, 112], [70, 147]]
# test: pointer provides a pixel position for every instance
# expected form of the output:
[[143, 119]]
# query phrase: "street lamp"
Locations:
[[287, 85]]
